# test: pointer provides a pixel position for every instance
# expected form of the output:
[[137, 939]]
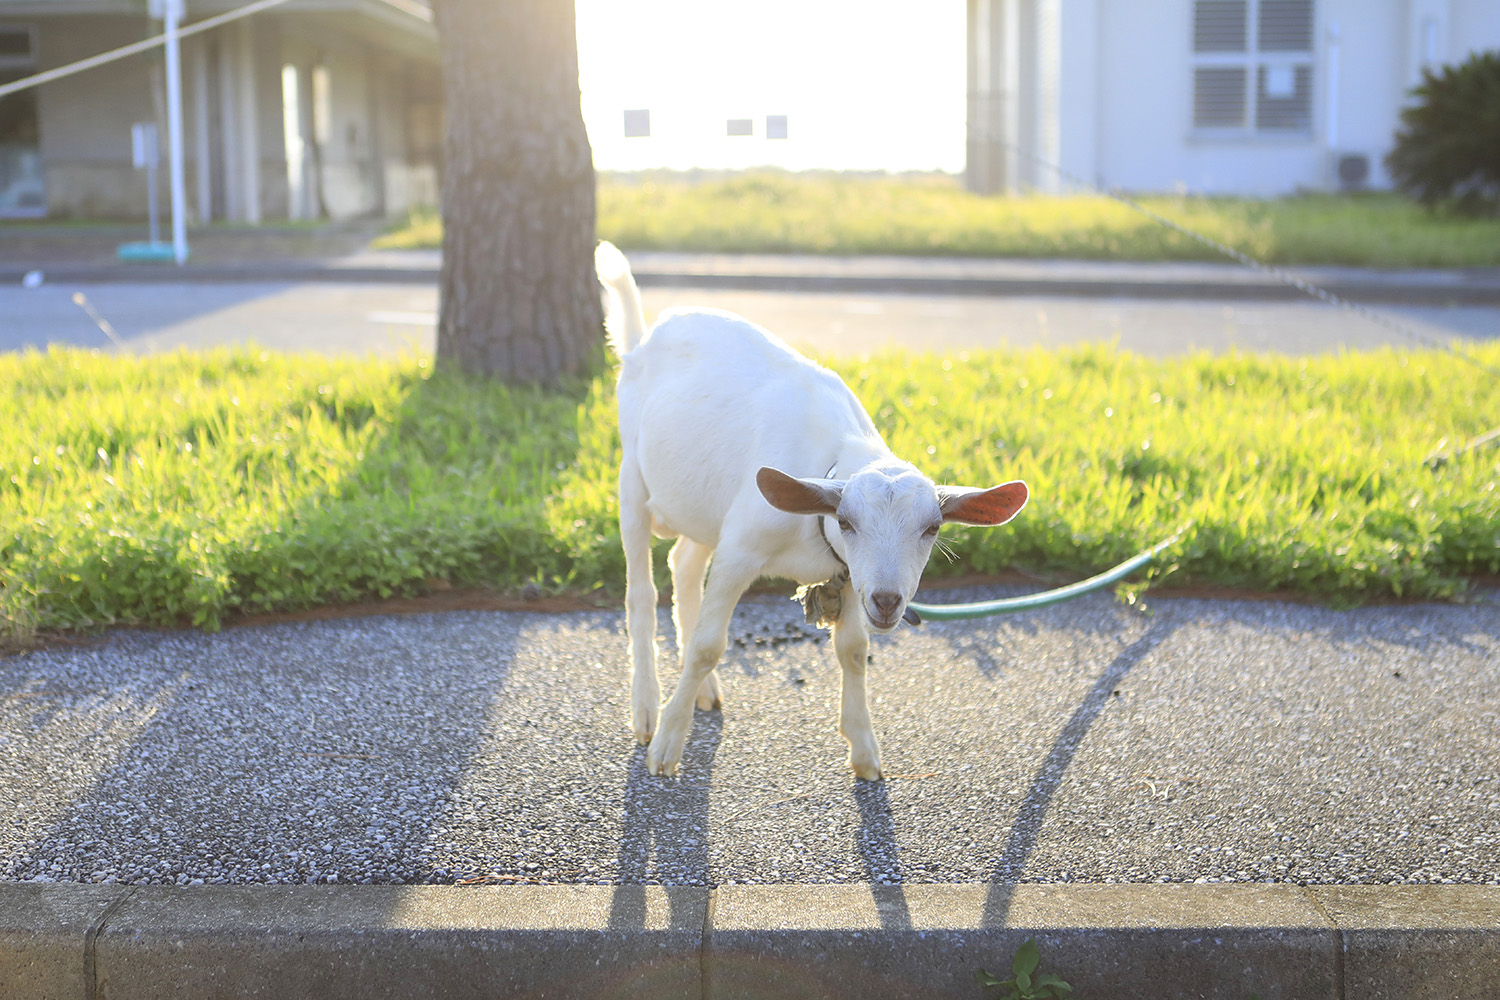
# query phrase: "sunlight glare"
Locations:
[[874, 85]]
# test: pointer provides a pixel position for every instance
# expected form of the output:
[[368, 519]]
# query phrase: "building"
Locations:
[[1232, 97], [310, 109]]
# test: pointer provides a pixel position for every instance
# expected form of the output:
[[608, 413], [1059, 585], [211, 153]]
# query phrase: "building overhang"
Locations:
[[405, 25]]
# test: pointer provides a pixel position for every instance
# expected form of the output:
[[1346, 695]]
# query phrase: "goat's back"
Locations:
[[708, 398]]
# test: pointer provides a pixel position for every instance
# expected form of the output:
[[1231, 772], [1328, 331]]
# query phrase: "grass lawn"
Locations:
[[778, 212], [189, 488]]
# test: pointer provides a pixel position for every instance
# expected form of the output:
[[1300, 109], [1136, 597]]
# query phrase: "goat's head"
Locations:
[[888, 515]]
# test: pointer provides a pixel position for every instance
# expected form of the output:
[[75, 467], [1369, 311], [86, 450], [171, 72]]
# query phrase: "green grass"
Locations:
[[185, 489], [775, 212]]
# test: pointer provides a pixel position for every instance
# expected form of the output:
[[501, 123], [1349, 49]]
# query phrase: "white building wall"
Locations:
[[1148, 142], [1474, 25], [85, 120], [1126, 90], [1372, 82], [1079, 91]]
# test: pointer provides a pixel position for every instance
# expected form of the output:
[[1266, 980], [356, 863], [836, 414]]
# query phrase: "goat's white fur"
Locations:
[[727, 436]]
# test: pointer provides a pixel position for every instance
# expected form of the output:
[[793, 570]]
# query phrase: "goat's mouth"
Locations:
[[881, 620], [884, 609]]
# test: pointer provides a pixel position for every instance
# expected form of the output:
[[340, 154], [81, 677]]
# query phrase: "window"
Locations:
[[21, 190], [1252, 66]]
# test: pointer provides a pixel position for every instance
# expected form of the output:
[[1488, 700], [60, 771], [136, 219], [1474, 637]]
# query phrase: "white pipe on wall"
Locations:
[[173, 18]]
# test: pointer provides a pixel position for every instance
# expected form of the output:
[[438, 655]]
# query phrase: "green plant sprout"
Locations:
[[1024, 984]]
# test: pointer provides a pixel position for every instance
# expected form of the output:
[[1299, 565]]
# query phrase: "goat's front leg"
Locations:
[[640, 600], [851, 641], [732, 573]]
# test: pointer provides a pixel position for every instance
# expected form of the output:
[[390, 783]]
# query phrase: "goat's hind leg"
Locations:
[[689, 561], [640, 601], [733, 572]]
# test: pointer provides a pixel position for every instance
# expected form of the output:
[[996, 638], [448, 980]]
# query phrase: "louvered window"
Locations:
[[1253, 66]]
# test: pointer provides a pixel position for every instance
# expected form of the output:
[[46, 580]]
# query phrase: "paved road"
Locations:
[[391, 318], [1204, 740]]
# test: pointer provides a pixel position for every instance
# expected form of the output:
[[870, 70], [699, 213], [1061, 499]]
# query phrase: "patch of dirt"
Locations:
[[483, 599]]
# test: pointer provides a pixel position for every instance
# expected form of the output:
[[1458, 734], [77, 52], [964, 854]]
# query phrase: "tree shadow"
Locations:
[[463, 487], [133, 319], [302, 707], [231, 757]]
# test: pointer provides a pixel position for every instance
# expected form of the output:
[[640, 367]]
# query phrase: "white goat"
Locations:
[[730, 438]]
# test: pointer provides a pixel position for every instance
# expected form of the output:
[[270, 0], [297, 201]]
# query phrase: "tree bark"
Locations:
[[520, 301]]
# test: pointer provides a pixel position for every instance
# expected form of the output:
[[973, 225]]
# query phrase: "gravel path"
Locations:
[[1197, 741]]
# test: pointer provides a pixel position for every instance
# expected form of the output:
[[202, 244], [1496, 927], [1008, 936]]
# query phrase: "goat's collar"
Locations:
[[823, 603], [823, 520]]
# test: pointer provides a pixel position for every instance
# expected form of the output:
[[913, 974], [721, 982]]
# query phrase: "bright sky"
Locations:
[[867, 85]]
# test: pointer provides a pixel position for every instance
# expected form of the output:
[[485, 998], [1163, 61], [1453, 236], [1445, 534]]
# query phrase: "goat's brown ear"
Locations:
[[798, 496], [996, 505]]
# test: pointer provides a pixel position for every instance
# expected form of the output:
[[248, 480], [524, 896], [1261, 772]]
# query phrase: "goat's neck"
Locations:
[[856, 452]]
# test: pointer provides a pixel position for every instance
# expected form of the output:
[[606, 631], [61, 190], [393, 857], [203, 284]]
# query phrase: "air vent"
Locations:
[[1352, 170]]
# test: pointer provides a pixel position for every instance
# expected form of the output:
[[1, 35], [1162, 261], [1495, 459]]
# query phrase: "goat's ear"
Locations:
[[996, 505], [798, 496]]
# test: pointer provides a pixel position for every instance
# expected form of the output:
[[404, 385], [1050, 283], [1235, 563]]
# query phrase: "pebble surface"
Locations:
[[1197, 741]]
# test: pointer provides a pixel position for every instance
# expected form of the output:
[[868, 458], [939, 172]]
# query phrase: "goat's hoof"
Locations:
[[661, 768], [710, 696], [643, 724], [867, 772], [661, 759]]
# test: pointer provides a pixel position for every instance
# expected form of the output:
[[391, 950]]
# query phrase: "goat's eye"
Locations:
[[845, 526], [931, 532]]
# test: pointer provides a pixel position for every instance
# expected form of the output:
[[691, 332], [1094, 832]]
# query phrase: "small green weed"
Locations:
[[1024, 984]]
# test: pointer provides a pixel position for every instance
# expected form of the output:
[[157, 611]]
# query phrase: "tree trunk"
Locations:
[[519, 298]]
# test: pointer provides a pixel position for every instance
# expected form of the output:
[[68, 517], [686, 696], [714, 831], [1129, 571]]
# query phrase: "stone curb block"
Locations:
[[1385, 290], [1256, 290], [1279, 942]]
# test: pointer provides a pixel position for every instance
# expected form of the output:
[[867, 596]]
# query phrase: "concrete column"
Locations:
[[248, 121], [1045, 102], [1000, 63], [985, 171], [197, 56], [377, 96], [229, 131]]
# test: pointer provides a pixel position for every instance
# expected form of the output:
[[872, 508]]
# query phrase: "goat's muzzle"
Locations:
[[885, 609]]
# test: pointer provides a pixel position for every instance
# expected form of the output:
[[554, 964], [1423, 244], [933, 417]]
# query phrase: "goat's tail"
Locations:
[[623, 319]]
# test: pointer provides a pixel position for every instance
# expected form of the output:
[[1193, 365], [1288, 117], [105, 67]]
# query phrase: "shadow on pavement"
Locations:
[[1027, 828], [664, 836], [876, 843]]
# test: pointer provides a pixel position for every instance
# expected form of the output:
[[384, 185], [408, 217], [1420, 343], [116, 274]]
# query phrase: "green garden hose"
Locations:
[[982, 609]]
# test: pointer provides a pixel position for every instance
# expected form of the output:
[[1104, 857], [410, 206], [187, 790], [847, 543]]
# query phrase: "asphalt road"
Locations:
[[1196, 741], [1204, 740], [373, 318]]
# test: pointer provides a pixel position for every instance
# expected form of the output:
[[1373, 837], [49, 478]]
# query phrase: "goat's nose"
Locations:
[[886, 602]]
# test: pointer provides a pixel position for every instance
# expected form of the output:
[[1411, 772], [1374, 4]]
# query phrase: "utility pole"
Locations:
[[171, 14]]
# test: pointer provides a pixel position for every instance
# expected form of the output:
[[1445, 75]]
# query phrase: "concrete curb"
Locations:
[[912, 276], [1134, 283], [1280, 942]]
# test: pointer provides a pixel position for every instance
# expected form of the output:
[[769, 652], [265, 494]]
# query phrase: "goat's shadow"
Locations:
[[875, 840], [1026, 830], [664, 836]]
